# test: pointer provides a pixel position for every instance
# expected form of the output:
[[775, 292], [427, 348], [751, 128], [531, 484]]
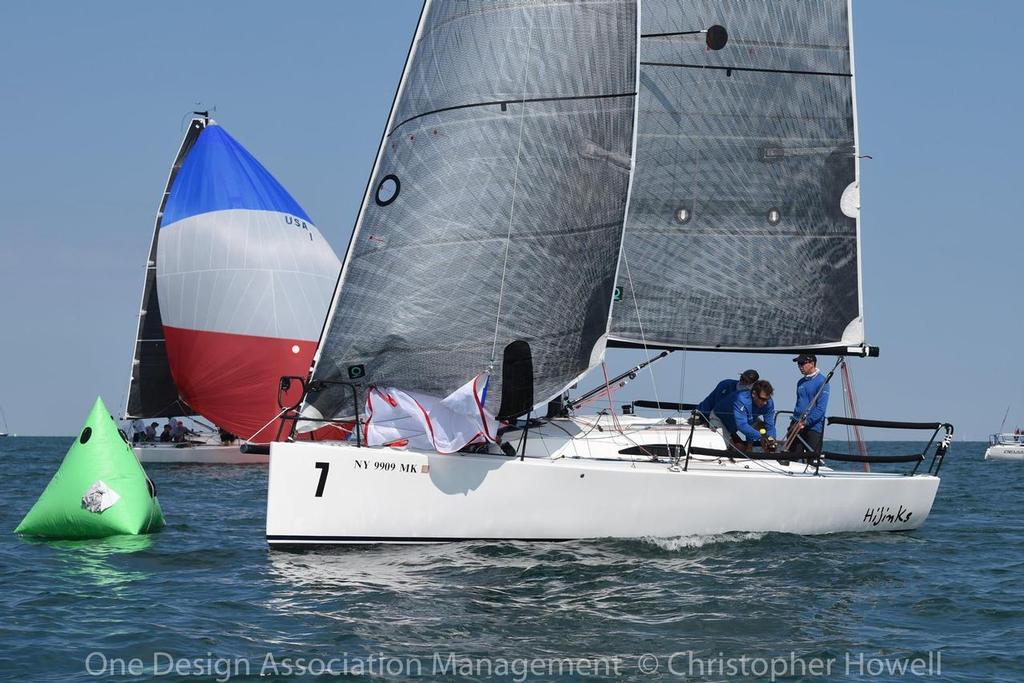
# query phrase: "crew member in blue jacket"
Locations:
[[812, 426], [719, 402], [753, 407]]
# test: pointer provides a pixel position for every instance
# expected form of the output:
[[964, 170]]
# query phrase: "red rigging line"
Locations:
[[850, 404]]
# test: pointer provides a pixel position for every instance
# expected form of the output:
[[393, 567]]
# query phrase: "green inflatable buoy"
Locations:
[[99, 490]]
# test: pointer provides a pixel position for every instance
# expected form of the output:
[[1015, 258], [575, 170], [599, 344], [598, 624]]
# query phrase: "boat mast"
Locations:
[[133, 403]]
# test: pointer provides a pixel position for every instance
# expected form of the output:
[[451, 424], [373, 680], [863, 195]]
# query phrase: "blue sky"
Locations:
[[95, 97]]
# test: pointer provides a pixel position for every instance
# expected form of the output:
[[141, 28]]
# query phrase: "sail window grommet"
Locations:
[[387, 190], [683, 216], [774, 216], [716, 37]]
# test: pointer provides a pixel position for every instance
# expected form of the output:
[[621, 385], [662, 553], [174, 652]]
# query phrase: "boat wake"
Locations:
[[700, 540]]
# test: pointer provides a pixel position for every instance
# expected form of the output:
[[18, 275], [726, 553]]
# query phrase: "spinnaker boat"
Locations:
[[237, 283], [558, 178]]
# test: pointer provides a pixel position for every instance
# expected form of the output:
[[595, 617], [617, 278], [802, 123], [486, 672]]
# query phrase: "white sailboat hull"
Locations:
[[320, 493], [200, 454], [1005, 452]]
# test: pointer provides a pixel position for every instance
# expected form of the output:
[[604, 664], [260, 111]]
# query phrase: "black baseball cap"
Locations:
[[805, 357], [749, 376]]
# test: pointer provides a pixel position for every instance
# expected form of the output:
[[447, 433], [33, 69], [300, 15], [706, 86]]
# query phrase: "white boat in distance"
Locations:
[[207, 451], [1005, 447], [626, 174]]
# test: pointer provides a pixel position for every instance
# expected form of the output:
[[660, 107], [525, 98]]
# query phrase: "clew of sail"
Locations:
[[494, 212], [244, 279], [743, 228]]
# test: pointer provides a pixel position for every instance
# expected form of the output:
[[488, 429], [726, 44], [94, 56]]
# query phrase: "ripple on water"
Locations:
[[699, 541], [208, 583]]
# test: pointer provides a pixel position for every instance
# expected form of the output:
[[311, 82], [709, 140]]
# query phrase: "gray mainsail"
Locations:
[[494, 212], [742, 232], [152, 391]]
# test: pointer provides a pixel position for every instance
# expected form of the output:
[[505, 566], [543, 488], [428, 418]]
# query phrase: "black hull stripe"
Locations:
[[278, 538]]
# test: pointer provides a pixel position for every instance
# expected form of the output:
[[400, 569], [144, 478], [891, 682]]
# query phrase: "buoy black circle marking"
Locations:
[[86, 434], [387, 190]]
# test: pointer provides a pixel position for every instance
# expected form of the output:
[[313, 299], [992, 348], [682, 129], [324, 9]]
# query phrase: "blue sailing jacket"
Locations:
[[720, 402], [806, 388], [745, 413], [720, 398]]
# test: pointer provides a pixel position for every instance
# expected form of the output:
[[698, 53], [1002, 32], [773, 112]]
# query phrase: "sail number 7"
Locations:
[[324, 468]]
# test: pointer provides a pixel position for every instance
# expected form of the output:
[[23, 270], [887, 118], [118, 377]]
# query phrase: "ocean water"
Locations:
[[206, 600]]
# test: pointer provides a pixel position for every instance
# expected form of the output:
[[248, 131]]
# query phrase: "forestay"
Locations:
[[742, 230], [495, 208]]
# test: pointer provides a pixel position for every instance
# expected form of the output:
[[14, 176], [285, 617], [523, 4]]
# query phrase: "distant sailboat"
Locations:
[[1006, 446], [237, 285], [3, 421]]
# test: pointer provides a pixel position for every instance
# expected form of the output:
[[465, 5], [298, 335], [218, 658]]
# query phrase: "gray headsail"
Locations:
[[152, 391], [495, 208], [742, 232]]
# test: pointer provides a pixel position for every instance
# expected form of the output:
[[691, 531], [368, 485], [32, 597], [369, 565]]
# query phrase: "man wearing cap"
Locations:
[[717, 408], [812, 398]]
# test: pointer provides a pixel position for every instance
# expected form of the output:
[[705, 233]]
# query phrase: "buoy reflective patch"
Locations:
[[99, 497]]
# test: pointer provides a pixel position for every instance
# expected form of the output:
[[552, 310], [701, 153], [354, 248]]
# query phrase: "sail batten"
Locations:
[[506, 103], [740, 233], [753, 69], [495, 209]]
